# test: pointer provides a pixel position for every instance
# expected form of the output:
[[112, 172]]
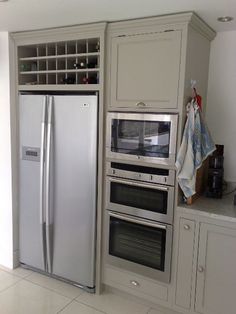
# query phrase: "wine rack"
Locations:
[[60, 63]]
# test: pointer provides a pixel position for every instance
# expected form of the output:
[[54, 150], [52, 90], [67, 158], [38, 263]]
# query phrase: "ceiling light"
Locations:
[[225, 18]]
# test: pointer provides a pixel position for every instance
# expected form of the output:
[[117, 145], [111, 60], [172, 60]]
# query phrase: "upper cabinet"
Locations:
[[145, 70], [150, 62]]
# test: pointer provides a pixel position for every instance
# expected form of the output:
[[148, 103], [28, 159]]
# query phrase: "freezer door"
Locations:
[[73, 186], [31, 238]]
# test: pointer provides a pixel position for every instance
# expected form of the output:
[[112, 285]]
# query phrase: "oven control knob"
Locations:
[[113, 171], [134, 283], [186, 227]]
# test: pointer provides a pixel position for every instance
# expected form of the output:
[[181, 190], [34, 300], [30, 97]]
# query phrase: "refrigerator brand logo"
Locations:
[[85, 105]]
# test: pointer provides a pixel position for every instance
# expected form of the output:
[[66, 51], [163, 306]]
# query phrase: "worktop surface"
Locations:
[[215, 208]]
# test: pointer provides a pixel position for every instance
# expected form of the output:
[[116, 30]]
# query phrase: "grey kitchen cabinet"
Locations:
[[151, 62], [205, 277], [216, 275], [136, 285], [145, 70], [185, 262]]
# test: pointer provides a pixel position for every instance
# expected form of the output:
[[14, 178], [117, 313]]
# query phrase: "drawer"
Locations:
[[134, 284]]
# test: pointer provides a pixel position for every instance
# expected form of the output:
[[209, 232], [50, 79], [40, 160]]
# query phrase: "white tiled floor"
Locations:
[[26, 292]]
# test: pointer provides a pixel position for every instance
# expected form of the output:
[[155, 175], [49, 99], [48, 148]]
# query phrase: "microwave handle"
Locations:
[[143, 185], [137, 221]]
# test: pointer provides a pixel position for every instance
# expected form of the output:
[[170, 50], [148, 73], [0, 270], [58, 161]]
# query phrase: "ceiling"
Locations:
[[17, 15]]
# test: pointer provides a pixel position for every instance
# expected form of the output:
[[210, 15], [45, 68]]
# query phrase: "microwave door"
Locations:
[[127, 137], [142, 137], [156, 138]]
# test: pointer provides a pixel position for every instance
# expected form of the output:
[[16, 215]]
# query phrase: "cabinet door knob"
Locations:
[[186, 227], [141, 104], [200, 269], [134, 283]]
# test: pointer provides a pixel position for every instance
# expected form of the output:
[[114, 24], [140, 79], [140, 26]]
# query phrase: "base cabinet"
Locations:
[[205, 271], [216, 273], [134, 284], [185, 263]]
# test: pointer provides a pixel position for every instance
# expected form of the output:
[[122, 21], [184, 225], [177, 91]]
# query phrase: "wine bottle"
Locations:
[[97, 47], [92, 65], [69, 80], [89, 80], [80, 65]]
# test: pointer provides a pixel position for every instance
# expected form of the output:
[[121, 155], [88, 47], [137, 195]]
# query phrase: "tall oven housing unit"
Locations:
[[58, 175], [140, 152]]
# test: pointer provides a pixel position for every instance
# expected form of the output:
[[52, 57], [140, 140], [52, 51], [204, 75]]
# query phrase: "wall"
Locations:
[[221, 100], [6, 205]]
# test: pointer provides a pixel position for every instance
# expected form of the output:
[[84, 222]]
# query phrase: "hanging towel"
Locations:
[[196, 146]]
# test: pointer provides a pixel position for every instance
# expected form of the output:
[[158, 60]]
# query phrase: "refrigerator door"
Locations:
[[31, 217], [73, 187]]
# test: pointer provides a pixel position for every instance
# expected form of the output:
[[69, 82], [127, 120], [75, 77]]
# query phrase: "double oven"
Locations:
[[140, 180]]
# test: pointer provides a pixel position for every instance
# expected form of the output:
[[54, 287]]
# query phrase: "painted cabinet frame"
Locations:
[[204, 258], [145, 70], [216, 276]]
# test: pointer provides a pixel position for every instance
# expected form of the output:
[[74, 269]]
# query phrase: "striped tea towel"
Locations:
[[196, 146]]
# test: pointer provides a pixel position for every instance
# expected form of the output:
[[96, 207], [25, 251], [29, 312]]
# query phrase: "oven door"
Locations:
[[151, 201], [139, 245], [142, 137]]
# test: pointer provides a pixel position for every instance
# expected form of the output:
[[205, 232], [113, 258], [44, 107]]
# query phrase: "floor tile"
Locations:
[[112, 304], [55, 285], [19, 271], [27, 298], [7, 280], [78, 308]]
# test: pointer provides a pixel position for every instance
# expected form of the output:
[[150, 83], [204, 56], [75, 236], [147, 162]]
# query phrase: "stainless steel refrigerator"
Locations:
[[58, 169]]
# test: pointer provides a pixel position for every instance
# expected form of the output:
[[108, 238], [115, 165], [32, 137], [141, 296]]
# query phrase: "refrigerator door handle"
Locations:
[[47, 192], [41, 193]]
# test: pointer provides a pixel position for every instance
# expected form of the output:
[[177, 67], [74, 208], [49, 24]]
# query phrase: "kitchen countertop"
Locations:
[[215, 208]]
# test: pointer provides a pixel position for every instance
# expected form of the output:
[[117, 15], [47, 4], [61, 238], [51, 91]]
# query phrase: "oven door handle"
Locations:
[[137, 221], [143, 185]]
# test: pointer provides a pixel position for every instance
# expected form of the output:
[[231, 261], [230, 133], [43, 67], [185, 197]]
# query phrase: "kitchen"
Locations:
[[163, 292]]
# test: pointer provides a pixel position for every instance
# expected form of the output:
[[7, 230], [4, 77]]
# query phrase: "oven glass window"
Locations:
[[137, 243], [142, 138], [139, 197]]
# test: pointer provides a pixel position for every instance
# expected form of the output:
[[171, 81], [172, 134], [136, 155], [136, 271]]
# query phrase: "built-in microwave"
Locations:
[[150, 138], [139, 245]]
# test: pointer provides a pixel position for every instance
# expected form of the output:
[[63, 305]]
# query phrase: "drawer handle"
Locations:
[[186, 227], [141, 104], [200, 269], [134, 283]]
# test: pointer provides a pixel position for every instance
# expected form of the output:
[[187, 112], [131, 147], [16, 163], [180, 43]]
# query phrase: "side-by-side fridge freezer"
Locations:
[[58, 175]]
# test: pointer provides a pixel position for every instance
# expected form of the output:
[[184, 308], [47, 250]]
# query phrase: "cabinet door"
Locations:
[[145, 70], [185, 263], [216, 274]]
